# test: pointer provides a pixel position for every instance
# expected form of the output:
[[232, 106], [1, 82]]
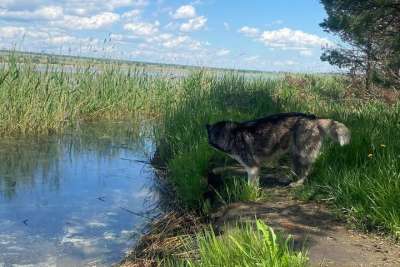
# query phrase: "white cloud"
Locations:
[[171, 26], [133, 14], [46, 37], [117, 37], [226, 26], [50, 12], [249, 31], [286, 38], [196, 45], [59, 40], [38, 34], [42, 13], [175, 42], [93, 22], [90, 7], [79, 11], [184, 12], [53, 26], [11, 32], [6, 3], [17, 4], [223, 52], [30, 33], [86, 44], [142, 28], [170, 41], [194, 24], [124, 3], [164, 36]]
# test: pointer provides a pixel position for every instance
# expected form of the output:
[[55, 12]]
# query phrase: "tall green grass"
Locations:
[[362, 179], [43, 99], [181, 135], [238, 189], [246, 245]]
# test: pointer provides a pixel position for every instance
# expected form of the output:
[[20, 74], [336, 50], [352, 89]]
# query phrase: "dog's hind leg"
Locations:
[[305, 150], [302, 169]]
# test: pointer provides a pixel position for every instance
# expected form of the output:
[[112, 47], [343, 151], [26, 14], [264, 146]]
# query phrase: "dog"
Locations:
[[255, 142]]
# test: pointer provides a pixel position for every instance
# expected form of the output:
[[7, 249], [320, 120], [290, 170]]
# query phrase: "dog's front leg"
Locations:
[[253, 171], [253, 174]]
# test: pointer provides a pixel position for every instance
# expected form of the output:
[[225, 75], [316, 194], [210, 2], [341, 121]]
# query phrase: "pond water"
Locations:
[[77, 199]]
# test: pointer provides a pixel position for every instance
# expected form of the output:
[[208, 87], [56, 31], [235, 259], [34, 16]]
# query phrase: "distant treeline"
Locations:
[[47, 58], [370, 30]]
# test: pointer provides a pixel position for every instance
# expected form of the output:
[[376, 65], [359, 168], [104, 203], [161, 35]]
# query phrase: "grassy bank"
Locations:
[[245, 245], [362, 179], [181, 135], [182, 239]]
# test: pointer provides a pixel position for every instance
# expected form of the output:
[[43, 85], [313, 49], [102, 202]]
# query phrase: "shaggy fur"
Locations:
[[254, 142]]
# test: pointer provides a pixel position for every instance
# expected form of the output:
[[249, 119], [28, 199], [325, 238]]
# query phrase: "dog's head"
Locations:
[[220, 134]]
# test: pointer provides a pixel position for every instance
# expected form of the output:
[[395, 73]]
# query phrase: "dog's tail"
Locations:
[[335, 130]]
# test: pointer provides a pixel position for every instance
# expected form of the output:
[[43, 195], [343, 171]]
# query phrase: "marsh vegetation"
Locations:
[[361, 180]]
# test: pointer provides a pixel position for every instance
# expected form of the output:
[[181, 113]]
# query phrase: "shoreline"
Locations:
[[360, 179]]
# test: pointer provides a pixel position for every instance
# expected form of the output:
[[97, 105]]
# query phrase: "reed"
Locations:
[[43, 99], [361, 179]]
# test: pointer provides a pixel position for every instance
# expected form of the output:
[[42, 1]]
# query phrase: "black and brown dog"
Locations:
[[255, 142]]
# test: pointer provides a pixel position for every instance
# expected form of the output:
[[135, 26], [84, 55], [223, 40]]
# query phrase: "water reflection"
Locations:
[[75, 199]]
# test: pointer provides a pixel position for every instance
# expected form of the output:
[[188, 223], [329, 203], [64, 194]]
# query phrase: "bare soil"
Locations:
[[328, 240]]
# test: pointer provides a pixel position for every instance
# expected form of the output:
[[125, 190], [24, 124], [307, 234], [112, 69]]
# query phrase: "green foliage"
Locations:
[[366, 187], [238, 189], [188, 173], [46, 98], [181, 135], [363, 177], [372, 30], [246, 245]]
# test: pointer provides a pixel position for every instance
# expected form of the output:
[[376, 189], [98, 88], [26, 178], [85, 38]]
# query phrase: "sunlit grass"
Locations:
[[181, 135], [238, 189], [42, 99], [361, 179], [246, 245]]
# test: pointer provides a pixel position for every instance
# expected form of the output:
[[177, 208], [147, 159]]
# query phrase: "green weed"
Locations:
[[246, 245]]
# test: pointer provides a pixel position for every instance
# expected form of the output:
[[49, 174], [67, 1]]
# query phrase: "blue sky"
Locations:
[[259, 34]]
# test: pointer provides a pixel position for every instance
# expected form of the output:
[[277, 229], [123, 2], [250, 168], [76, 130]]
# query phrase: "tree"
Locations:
[[370, 30]]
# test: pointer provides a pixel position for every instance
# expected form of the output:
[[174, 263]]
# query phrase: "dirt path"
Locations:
[[328, 240]]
